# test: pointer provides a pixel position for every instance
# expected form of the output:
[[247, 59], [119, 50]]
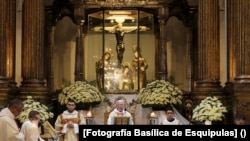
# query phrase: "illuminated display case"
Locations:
[[118, 41]]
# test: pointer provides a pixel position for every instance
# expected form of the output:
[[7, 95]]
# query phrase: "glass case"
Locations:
[[115, 42]]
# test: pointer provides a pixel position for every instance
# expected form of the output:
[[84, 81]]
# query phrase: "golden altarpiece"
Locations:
[[74, 37], [120, 45]]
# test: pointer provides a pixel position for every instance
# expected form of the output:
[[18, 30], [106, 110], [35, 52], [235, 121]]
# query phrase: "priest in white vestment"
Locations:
[[67, 123], [169, 118], [8, 125], [119, 111]]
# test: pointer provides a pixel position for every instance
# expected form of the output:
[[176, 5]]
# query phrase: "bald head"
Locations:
[[120, 101], [120, 105]]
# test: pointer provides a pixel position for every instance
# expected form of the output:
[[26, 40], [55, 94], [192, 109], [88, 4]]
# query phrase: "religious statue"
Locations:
[[101, 64], [127, 78], [139, 66], [120, 45]]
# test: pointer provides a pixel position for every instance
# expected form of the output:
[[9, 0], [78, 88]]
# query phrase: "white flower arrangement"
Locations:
[[211, 108], [29, 105], [80, 92], [159, 93]]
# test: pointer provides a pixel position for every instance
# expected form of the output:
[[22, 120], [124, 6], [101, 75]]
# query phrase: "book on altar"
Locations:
[[121, 120]]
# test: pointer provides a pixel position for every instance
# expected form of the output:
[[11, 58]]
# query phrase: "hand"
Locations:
[[70, 124]]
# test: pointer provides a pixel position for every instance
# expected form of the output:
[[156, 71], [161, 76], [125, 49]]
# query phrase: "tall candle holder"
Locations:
[[153, 118], [89, 118]]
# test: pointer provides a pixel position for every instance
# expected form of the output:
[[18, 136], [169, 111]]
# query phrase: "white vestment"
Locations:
[[31, 131], [69, 134], [174, 122], [116, 113], [9, 127], [177, 116]]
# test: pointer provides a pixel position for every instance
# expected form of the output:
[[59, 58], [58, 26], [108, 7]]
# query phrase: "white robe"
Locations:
[[31, 131], [116, 113], [9, 127], [174, 122], [177, 116], [69, 134]]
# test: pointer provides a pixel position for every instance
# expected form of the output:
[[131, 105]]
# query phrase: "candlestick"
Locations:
[[89, 120], [153, 121]]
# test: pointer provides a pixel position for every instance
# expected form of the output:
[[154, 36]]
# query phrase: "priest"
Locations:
[[120, 115], [67, 123], [10, 130]]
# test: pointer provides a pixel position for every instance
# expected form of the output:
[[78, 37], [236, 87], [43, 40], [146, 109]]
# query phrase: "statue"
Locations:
[[139, 66], [120, 45], [127, 79], [101, 64]]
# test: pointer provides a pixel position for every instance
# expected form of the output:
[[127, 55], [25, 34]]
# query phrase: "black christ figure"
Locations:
[[120, 45]]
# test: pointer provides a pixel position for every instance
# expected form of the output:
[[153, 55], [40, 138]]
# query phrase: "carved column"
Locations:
[[231, 45], [7, 51], [191, 46], [191, 27], [239, 49], [49, 46], [208, 52], [162, 54], [79, 53], [33, 70], [79, 19], [231, 30]]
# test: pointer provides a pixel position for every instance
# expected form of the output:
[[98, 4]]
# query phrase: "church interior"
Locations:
[[200, 46]]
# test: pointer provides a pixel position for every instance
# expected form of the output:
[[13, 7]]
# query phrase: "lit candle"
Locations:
[[88, 118], [153, 118], [89, 114], [208, 122], [152, 115]]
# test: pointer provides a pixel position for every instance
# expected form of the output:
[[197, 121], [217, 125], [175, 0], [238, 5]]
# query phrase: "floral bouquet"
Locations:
[[210, 109], [29, 105], [81, 92], [159, 93]]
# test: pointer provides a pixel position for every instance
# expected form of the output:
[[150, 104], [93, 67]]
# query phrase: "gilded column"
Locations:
[[231, 30], [7, 51], [242, 41], [239, 50], [208, 51], [33, 70], [231, 12]]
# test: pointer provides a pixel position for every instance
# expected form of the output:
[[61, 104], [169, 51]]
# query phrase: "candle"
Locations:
[[152, 114], [208, 122], [89, 114]]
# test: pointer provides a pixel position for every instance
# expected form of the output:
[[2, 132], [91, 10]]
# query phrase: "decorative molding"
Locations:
[[122, 3], [243, 106]]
